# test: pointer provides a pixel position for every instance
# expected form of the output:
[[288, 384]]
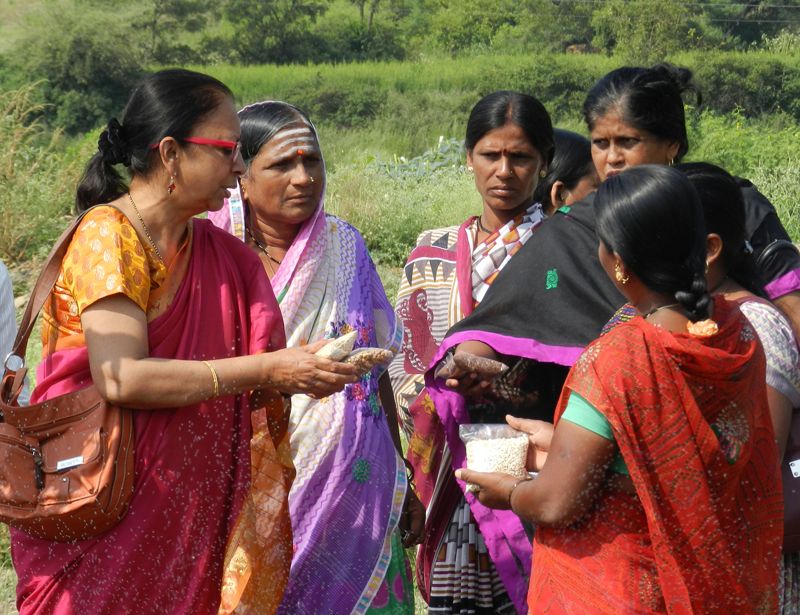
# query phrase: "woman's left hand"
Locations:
[[412, 520], [495, 487]]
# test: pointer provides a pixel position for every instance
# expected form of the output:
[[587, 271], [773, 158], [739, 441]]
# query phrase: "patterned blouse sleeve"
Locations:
[[780, 347], [106, 258]]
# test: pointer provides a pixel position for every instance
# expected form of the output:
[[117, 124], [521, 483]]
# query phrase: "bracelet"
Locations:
[[511, 493], [214, 377]]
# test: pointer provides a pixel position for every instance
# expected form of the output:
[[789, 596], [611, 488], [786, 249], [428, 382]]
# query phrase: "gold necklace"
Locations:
[[146, 230]]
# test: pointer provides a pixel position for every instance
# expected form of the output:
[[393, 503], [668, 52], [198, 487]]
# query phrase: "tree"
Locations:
[[366, 12], [460, 26], [641, 32], [87, 65], [276, 31], [165, 21]]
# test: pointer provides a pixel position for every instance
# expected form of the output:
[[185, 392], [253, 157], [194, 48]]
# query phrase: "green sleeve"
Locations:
[[581, 412]]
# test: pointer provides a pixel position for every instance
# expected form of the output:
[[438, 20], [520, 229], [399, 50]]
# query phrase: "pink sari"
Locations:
[[192, 463]]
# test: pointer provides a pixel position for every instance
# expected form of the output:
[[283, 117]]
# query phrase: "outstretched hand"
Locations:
[[469, 374], [299, 370]]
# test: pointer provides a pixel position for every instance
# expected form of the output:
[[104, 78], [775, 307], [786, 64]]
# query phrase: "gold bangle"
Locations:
[[215, 378]]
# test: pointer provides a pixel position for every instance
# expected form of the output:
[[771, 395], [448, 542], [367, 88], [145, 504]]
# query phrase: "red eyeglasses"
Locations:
[[233, 148]]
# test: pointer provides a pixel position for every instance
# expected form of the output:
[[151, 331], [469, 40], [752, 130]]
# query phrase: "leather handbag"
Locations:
[[66, 464], [790, 474]]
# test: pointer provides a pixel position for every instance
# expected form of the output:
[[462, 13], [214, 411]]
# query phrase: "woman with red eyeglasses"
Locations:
[[175, 319]]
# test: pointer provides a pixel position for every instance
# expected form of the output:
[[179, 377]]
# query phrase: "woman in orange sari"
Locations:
[[174, 319], [661, 490]]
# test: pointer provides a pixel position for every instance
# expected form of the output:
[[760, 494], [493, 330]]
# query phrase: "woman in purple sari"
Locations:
[[351, 510], [158, 309]]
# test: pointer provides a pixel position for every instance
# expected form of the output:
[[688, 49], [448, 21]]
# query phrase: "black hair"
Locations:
[[648, 99], [723, 209], [167, 103], [652, 218], [571, 162], [262, 121], [497, 109]]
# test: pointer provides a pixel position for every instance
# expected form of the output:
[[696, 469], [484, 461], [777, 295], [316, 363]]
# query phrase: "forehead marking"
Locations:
[[295, 144]]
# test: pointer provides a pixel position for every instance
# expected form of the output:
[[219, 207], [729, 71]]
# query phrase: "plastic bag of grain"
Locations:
[[494, 448]]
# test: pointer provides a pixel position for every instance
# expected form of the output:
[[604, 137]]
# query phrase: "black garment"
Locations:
[[774, 251], [555, 292]]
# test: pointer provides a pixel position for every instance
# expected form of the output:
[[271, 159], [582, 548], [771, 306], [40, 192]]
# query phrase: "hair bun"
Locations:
[[112, 145], [682, 78]]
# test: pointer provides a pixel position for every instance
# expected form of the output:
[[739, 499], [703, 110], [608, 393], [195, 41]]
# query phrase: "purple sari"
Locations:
[[350, 485]]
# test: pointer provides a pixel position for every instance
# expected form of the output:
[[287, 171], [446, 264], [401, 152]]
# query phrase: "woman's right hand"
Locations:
[[540, 434], [299, 370], [471, 370]]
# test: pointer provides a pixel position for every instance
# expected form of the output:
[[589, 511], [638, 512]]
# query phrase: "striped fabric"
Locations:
[[464, 580]]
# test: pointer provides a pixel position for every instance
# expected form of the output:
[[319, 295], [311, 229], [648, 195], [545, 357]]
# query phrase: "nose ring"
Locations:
[[312, 179]]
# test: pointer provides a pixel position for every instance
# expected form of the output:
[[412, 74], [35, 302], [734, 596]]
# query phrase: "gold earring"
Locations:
[[171, 185], [543, 173], [470, 169], [621, 277], [671, 162]]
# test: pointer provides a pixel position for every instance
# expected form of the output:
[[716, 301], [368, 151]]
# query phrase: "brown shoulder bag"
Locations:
[[66, 464]]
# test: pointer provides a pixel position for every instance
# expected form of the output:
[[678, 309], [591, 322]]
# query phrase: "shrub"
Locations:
[[87, 72], [37, 186], [392, 211], [347, 104]]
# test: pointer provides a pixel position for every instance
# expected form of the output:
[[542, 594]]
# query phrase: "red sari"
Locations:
[[192, 463], [703, 533]]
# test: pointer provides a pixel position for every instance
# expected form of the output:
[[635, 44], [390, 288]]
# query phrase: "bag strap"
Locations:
[[41, 290]]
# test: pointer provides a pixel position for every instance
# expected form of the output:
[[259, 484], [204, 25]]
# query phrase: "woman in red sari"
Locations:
[[661, 490], [158, 309]]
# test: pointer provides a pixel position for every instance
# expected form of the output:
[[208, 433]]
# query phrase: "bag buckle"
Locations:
[[13, 366], [14, 372]]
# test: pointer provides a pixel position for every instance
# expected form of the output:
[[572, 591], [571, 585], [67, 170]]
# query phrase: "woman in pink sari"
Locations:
[[172, 318]]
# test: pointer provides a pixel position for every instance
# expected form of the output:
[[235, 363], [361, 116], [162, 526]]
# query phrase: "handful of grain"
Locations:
[[494, 448], [466, 362], [366, 358], [339, 348]]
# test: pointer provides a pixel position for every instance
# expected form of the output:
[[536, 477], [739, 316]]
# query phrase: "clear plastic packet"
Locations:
[[494, 448]]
